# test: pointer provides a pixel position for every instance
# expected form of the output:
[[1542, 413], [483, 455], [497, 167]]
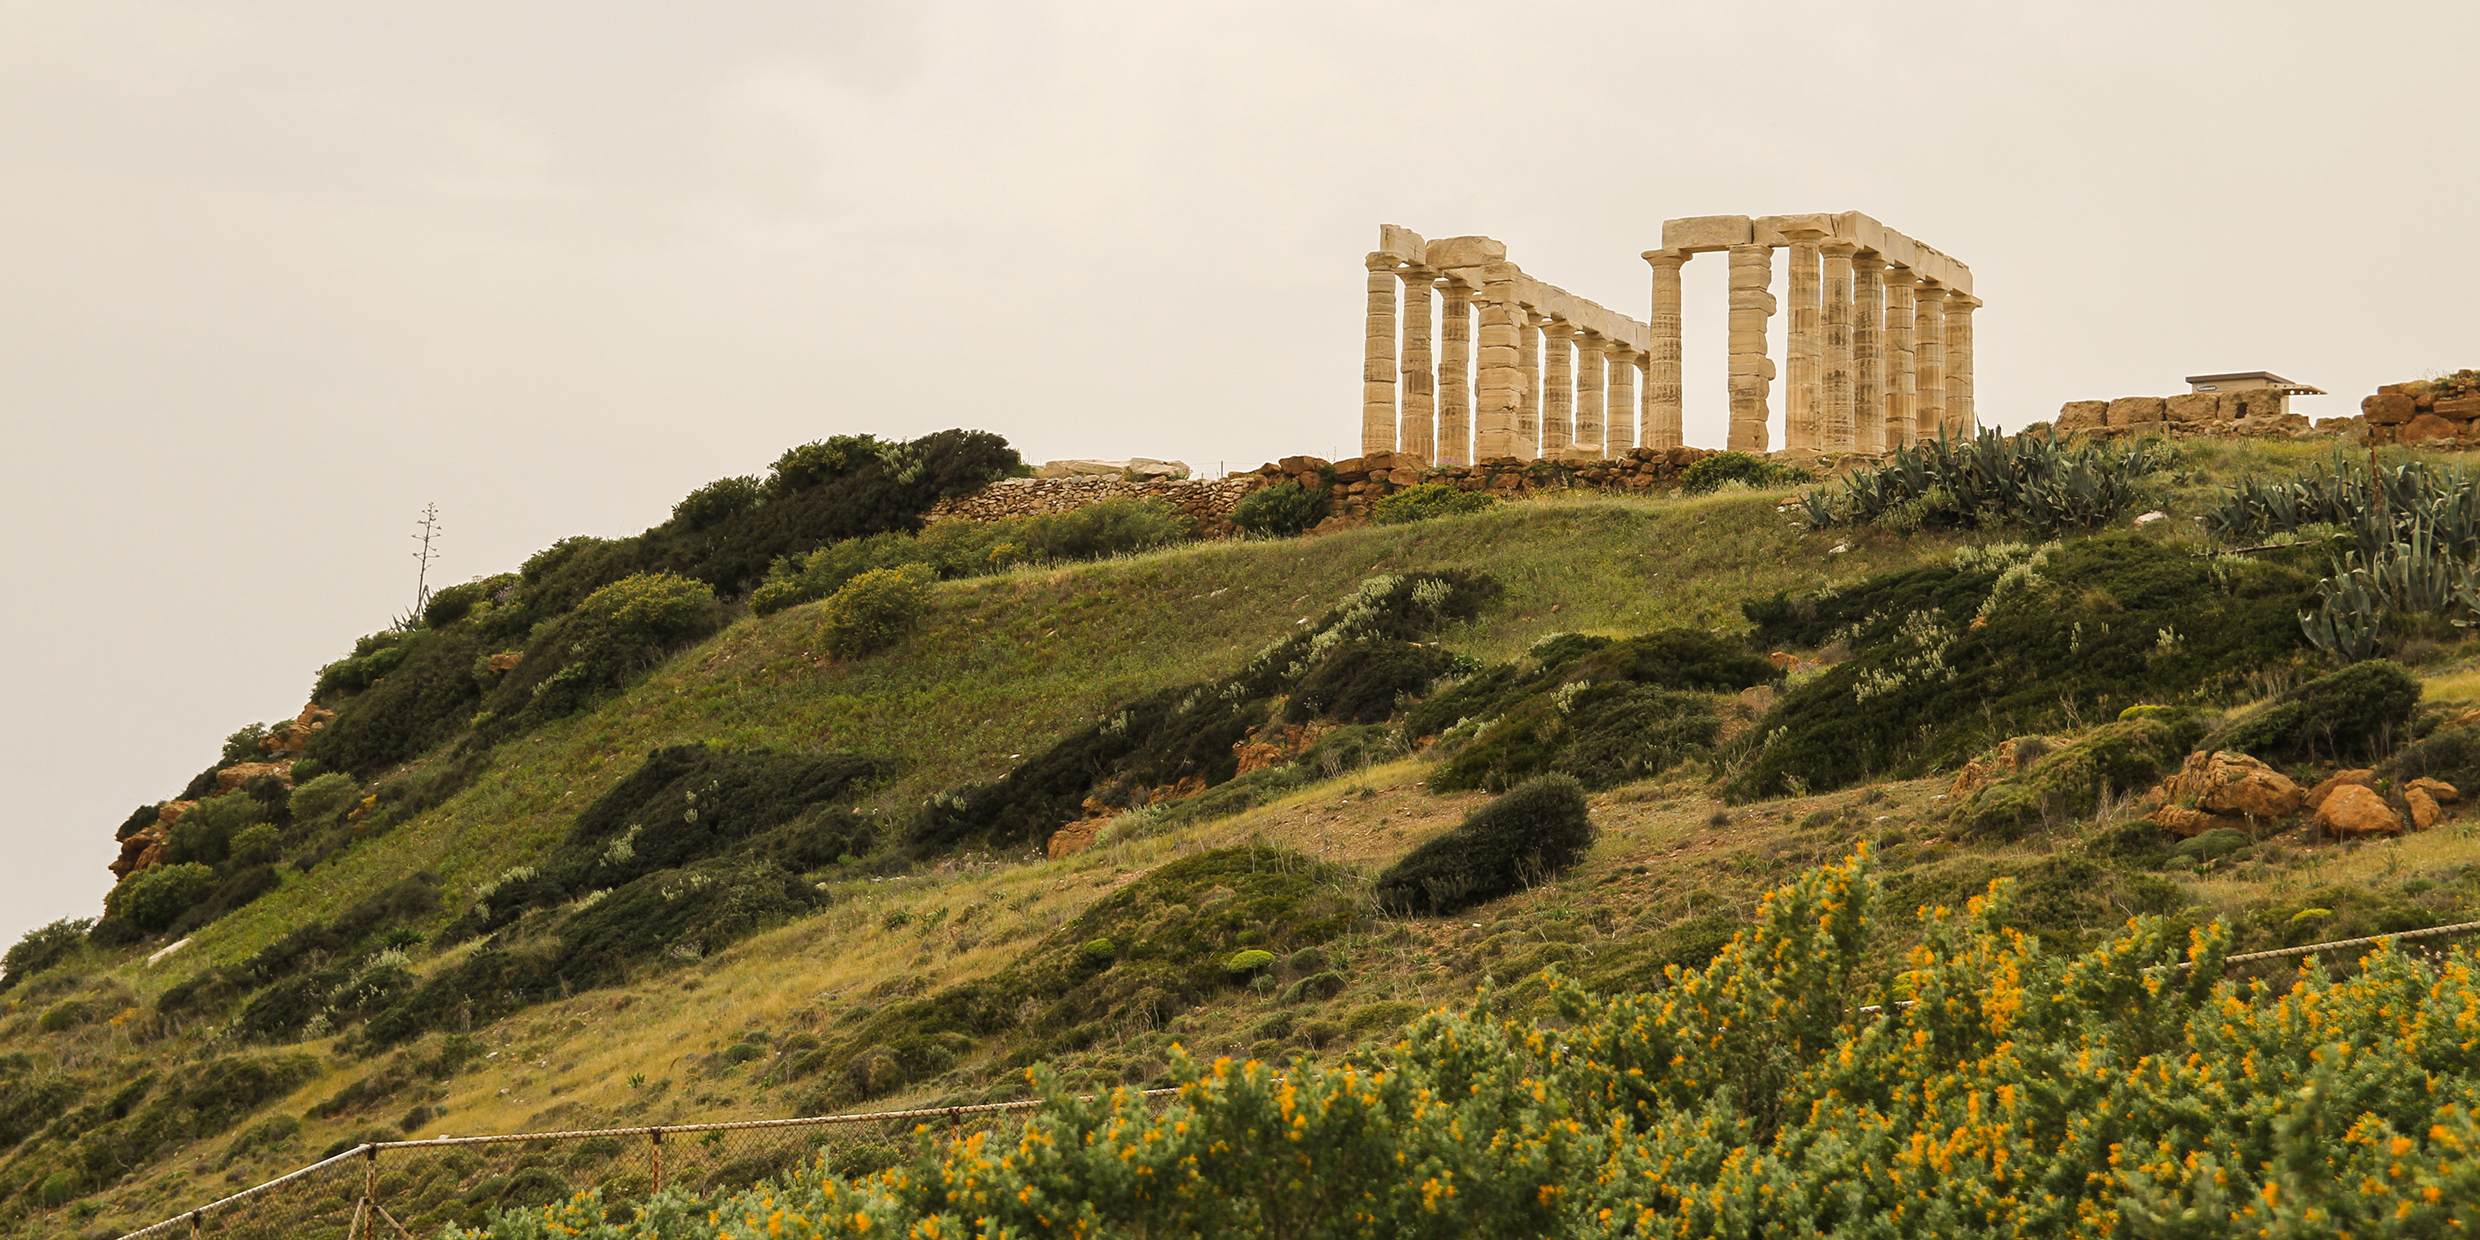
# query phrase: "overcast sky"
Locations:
[[277, 275]]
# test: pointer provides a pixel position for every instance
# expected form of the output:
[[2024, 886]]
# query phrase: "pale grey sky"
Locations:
[[276, 275]]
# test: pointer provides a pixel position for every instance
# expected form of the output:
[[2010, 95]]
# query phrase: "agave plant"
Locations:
[[2037, 482]]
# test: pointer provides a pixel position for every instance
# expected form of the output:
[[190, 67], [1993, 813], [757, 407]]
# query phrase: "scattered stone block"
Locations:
[[2138, 411], [2388, 408], [2191, 407], [2353, 812], [2078, 415]]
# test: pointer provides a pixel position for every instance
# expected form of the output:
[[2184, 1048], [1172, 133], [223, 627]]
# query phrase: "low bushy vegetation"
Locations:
[[1358, 662], [1279, 511], [1986, 1087], [2118, 759], [1712, 473], [1133, 960], [43, 947], [957, 549], [153, 898], [2007, 640], [2032, 482], [874, 611], [2360, 712], [1602, 712], [1522, 839]]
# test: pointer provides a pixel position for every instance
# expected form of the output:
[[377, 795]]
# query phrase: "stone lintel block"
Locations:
[[1787, 226], [1700, 233], [2192, 406], [2138, 410], [1403, 243], [2083, 414], [1860, 230], [2388, 408], [1465, 252]]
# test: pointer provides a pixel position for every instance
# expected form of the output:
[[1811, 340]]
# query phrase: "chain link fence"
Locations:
[[408, 1190]]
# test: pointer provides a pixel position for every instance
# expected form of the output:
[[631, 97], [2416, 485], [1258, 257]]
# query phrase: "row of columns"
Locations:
[[1536, 386], [1878, 357]]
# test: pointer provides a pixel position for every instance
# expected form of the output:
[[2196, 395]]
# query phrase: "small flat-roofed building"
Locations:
[[2252, 381]]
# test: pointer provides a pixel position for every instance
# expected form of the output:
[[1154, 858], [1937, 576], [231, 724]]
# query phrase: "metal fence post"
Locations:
[[196, 1218], [370, 1189], [655, 1151]]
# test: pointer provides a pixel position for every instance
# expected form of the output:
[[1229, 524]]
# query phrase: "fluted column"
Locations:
[[1558, 388], [1901, 432], [1868, 352], [1592, 381], [1378, 365], [1417, 433], [1644, 384], [1803, 399], [1528, 412], [1836, 429], [1752, 372], [1665, 403], [1501, 370], [1929, 359], [1454, 374], [1619, 424], [1959, 411]]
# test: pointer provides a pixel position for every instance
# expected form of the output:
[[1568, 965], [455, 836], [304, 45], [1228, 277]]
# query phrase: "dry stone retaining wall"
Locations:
[[2254, 414], [1208, 502], [2441, 413]]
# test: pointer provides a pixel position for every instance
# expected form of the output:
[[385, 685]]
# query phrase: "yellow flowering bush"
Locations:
[[1800, 1085]]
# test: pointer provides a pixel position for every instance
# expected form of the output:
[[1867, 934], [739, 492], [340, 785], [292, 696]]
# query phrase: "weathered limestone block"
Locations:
[[2429, 428], [2387, 408], [2192, 407], [2222, 788], [2137, 411], [2456, 408], [2425, 812], [2079, 415], [2443, 792], [2315, 798]]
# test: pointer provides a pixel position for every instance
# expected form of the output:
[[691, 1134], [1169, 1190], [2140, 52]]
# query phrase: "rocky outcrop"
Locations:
[[1208, 502], [2223, 788], [2352, 811], [145, 846], [239, 776], [286, 739], [2437, 413], [2315, 799]]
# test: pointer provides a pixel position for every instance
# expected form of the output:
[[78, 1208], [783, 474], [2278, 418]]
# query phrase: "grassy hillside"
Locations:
[[897, 951]]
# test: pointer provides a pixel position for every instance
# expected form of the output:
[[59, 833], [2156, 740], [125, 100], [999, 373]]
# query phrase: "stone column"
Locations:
[[1528, 413], [1417, 433], [1959, 412], [1454, 374], [1868, 351], [1644, 385], [1591, 440], [1665, 404], [1378, 365], [1900, 432], [1558, 388], [1752, 372], [1619, 426], [1836, 424], [1501, 371], [1929, 360], [1803, 399]]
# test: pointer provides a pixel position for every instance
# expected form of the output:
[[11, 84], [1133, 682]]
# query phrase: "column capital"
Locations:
[[1869, 260], [1962, 303], [1670, 259], [1417, 275], [1380, 260], [1839, 248], [1931, 290], [1587, 338], [1554, 326], [1902, 276]]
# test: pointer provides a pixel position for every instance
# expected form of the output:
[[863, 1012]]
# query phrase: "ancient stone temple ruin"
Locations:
[[1879, 345]]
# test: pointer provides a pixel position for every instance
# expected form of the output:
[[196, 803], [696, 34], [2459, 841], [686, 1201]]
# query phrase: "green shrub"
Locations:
[[153, 897], [812, 464], [1710, 473], [2358, 712], [2448, 754], [324, 798], [1279, 511], [1118, 526], [717, 502], [1426, 501], [1526, 837], [2119, 758], [424, 699], [875, 610], [205, 833], [459, 601], [617, 632], [2008, 640], [43, 947]]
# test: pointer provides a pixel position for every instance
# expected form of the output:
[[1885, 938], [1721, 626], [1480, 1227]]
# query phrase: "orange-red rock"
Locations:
[[2316, 796], [1075, 838], [241, 775], [2443, 792], [2352, 811], [2228, 783], [2424, 810]]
